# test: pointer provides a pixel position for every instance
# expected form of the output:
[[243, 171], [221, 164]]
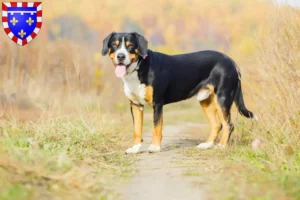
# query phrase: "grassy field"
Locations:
[[82, 156], [69, 157]]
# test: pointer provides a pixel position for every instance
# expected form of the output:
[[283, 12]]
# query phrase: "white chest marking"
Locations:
[[134, 90]]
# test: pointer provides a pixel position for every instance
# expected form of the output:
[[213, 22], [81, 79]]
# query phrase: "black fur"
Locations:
[[142, 44], [239, 101], [105, 43], [178, 77]]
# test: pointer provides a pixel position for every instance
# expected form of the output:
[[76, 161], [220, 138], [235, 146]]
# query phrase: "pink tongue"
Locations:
[[120, 71]]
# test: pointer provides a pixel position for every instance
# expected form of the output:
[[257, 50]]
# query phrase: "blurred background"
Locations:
[[64, 62], [63, 71]]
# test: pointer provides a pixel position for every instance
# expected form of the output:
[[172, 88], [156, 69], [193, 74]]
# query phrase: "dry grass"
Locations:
[[71, 157], [276, 99], [271, 87], [224, 177]]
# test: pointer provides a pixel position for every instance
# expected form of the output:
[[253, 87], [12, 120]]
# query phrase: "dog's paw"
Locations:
[[154, 148], [205, 145], [135, 149], [220, 146]]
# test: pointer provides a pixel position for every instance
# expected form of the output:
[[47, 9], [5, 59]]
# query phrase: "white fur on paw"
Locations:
[[135, 149], [205, 145], [220, 146], [153, 148]]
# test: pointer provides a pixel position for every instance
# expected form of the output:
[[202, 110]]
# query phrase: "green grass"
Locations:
[[284, 173], [70, 157], [81, 157], [192, 173], [241, 172], [224, 176]]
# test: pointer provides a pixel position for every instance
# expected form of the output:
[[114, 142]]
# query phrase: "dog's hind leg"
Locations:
[[137, 115], [223, 109], [210, 110]]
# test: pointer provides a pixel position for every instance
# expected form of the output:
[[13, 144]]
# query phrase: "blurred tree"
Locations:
[[157, 38], [129, 26], [72, 27]]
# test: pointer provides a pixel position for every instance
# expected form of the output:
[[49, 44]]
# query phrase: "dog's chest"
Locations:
[[134, 90]]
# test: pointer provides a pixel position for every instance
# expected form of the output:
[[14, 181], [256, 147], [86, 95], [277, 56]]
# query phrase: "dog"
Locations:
[[158, 79]]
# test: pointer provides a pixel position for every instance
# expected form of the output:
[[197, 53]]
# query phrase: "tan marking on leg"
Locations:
[[225, 120], [211, 87], [210, 110], [138, 122], [157, 132], [149, 95]]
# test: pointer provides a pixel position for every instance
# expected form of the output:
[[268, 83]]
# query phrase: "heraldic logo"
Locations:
[[22, 21]]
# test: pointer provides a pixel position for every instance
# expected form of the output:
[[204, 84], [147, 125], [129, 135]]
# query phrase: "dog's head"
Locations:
[[124, 49]]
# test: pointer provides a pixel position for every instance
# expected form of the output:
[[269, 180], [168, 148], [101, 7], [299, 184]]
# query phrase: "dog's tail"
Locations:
[[239, 102]]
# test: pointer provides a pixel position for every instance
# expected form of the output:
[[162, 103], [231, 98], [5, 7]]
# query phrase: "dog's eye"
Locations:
[[114, 45], [130, 46]]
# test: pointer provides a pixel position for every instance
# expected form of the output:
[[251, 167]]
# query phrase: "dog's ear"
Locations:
[[105, 43], [142, 43]]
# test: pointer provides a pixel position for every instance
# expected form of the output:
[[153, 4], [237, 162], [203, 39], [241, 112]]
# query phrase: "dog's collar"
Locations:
[[136, 68]]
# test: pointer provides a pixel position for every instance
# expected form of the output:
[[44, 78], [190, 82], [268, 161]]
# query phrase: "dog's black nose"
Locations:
[[121, 56]]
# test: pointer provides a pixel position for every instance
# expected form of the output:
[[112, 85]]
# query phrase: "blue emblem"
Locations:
[[22, 21]]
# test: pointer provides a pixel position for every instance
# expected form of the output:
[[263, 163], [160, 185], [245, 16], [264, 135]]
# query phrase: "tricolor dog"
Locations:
[[158, 79]]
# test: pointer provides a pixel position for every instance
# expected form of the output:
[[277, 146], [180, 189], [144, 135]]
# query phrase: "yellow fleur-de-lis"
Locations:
[[14, 21], [22, 33], [29, 21]]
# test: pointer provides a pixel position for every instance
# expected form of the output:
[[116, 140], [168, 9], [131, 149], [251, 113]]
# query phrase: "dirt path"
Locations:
[[159, 176]]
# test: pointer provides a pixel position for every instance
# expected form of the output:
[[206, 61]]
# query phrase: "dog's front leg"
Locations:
[[137, 112], [157, 128]]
